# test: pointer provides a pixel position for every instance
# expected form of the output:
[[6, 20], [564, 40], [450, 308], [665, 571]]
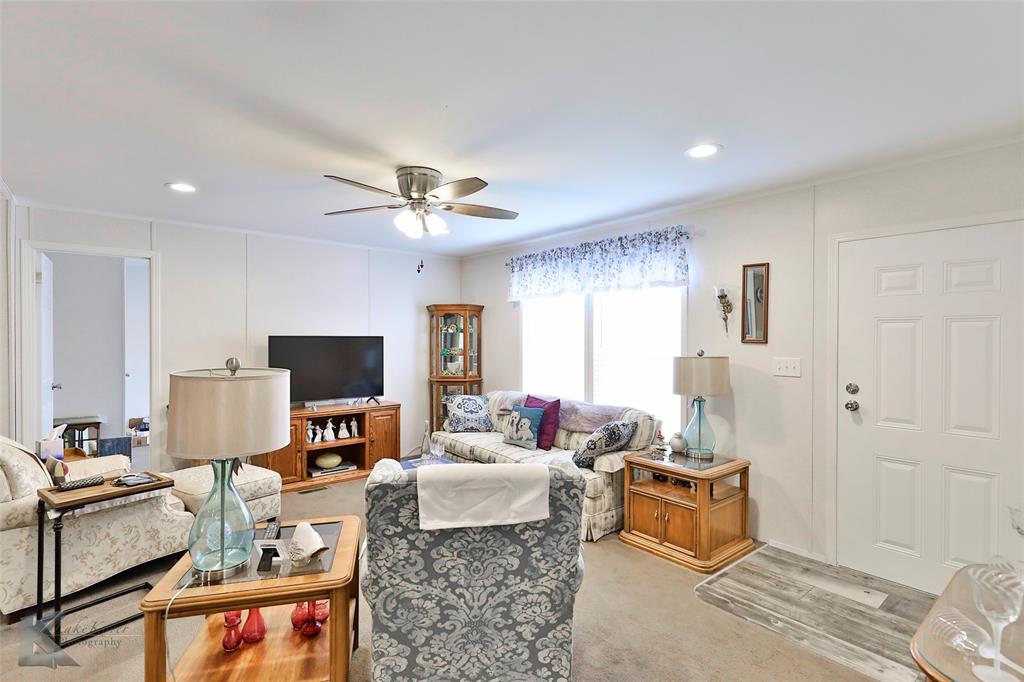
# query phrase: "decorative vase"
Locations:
[[232, 638], [312, 627], [255, 628], [300, 614], [677, 443], [223, 532], [700, 438], [232, 618], [322, 612]]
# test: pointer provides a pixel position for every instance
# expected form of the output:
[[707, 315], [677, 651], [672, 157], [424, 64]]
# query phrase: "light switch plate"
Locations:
[[786, 367]]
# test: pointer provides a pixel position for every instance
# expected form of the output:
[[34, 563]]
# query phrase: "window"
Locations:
[[553, 346], [611, 347]]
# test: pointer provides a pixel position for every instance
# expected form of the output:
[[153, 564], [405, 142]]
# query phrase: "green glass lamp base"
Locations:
[[699, 436], [220, 542]]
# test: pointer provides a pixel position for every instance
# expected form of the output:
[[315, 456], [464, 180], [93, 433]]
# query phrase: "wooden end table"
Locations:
[[284, 654], [60, 503], [677, 508]]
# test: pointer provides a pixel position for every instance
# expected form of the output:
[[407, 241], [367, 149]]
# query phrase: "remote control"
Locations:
[[273, 528], [64, 486]]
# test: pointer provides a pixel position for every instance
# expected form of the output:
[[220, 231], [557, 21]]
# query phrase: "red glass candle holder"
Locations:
[[232, 618], [300, 614], [312, 627], [232, 638]]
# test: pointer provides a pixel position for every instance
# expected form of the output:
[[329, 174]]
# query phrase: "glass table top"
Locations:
[[689, 463], [945, 649], [330, 532]]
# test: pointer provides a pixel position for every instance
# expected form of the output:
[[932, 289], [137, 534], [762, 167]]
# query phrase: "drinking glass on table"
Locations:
[[998, 590]]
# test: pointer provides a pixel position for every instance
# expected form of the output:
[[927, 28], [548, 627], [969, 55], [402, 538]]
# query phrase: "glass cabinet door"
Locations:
[[472, 355], [450, 347]]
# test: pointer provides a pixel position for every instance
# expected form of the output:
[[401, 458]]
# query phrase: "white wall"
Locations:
[[136, 338], [778, 423], [222, 292], [88, 338]]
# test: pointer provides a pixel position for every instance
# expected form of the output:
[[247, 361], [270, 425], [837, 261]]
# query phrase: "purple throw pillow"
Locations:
[[548, 423]]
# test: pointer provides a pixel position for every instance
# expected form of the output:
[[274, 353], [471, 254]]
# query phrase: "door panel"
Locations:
[[383, 436], [645, 516], [930, 331], [46, 379], [679, 526], [288, 460]]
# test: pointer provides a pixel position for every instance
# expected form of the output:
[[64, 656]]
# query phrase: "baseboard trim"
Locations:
[[800, 552]]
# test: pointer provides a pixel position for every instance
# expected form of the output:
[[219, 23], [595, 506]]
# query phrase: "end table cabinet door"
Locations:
[[383, 436], [645, 516], [679, 524]]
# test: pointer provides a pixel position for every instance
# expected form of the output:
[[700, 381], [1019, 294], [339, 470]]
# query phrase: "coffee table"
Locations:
[[284, 654]]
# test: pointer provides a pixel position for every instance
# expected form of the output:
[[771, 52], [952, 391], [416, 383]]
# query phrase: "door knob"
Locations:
[[852, 388], [852, 405], [55, 387]]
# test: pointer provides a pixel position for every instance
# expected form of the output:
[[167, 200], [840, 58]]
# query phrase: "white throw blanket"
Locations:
[[471, 495]]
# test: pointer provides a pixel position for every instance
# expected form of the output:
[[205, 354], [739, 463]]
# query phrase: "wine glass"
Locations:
[[998, 591]]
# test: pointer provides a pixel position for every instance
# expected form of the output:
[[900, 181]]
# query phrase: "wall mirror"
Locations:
[[755, 303]]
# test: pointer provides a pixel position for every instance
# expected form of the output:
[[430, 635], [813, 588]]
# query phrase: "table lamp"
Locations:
[[701, 376], [225, 415]]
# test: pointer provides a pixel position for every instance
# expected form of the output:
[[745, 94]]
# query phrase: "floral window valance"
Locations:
[[647, 259]]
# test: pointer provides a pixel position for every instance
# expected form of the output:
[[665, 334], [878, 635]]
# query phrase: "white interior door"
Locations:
[[46, 380], [930, 332]]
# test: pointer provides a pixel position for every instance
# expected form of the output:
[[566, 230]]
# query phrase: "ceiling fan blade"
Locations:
[[367, 208], [370, 188], [457, 188], [480, 211]]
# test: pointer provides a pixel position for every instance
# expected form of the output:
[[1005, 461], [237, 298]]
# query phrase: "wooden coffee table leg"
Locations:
[[155, 628], [340, 631]]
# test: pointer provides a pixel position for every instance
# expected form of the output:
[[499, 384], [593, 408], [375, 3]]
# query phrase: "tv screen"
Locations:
[[329, 367]]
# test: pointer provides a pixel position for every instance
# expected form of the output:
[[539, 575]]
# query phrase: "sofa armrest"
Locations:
[[104, 466], [611, 462]]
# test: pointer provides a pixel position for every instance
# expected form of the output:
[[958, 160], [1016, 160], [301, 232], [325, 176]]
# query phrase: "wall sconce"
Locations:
[[724, 304]]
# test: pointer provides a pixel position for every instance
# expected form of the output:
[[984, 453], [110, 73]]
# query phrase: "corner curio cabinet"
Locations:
[[454, 355]]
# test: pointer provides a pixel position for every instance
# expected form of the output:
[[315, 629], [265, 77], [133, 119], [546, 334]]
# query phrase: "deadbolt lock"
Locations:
[[852, 388]]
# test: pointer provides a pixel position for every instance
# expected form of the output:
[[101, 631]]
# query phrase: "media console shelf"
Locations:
[[379, 438]]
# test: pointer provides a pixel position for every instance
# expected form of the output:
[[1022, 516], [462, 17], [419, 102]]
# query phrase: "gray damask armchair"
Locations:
[[491, 603]]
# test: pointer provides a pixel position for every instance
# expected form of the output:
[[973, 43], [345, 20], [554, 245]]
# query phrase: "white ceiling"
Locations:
[[572, 112]]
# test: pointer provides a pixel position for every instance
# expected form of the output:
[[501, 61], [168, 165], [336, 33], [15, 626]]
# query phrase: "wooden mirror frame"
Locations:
[[743, 302]]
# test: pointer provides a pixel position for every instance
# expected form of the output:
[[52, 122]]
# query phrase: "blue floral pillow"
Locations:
[[467, 413], [608, 438], [523, 427]]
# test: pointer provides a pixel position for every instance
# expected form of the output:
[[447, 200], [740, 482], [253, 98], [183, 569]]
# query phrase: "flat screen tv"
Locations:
[[330, 367]]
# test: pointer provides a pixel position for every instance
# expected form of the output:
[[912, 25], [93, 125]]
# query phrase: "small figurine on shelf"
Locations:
[[353, 428], [319, 434], [329, 431], [343, 430], [309, 430]]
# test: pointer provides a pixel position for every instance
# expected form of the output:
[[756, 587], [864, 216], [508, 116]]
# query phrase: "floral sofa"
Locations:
[[465, 604], [109, 537], [603, 502]]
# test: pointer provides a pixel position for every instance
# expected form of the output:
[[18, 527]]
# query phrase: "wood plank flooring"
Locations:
[[826, 608]]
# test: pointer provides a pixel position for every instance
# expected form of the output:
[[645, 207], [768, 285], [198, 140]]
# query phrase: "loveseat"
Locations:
[[602, 505], [109, 537]]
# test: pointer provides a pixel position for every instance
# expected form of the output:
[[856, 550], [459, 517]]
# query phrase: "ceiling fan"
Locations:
[[420, 194]]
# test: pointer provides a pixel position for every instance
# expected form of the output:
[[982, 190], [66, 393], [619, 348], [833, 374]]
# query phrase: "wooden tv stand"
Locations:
[[379, 438]]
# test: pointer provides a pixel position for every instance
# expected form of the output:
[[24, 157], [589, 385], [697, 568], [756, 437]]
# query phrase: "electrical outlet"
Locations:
[[786, 367]]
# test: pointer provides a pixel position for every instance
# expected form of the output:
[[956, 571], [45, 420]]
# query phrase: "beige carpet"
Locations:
[[637, 618]]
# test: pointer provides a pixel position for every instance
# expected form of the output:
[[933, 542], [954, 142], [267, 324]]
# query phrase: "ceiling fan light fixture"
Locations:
[[436, 225], [703, 151], [408, 223]]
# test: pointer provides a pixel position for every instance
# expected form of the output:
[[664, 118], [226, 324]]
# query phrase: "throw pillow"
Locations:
[[467, 413], [523, 427], [608, 438], [549, 424]]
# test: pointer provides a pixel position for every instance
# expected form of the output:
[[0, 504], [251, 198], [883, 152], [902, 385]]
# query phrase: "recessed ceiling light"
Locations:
[[180, 186], [703, 151]]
